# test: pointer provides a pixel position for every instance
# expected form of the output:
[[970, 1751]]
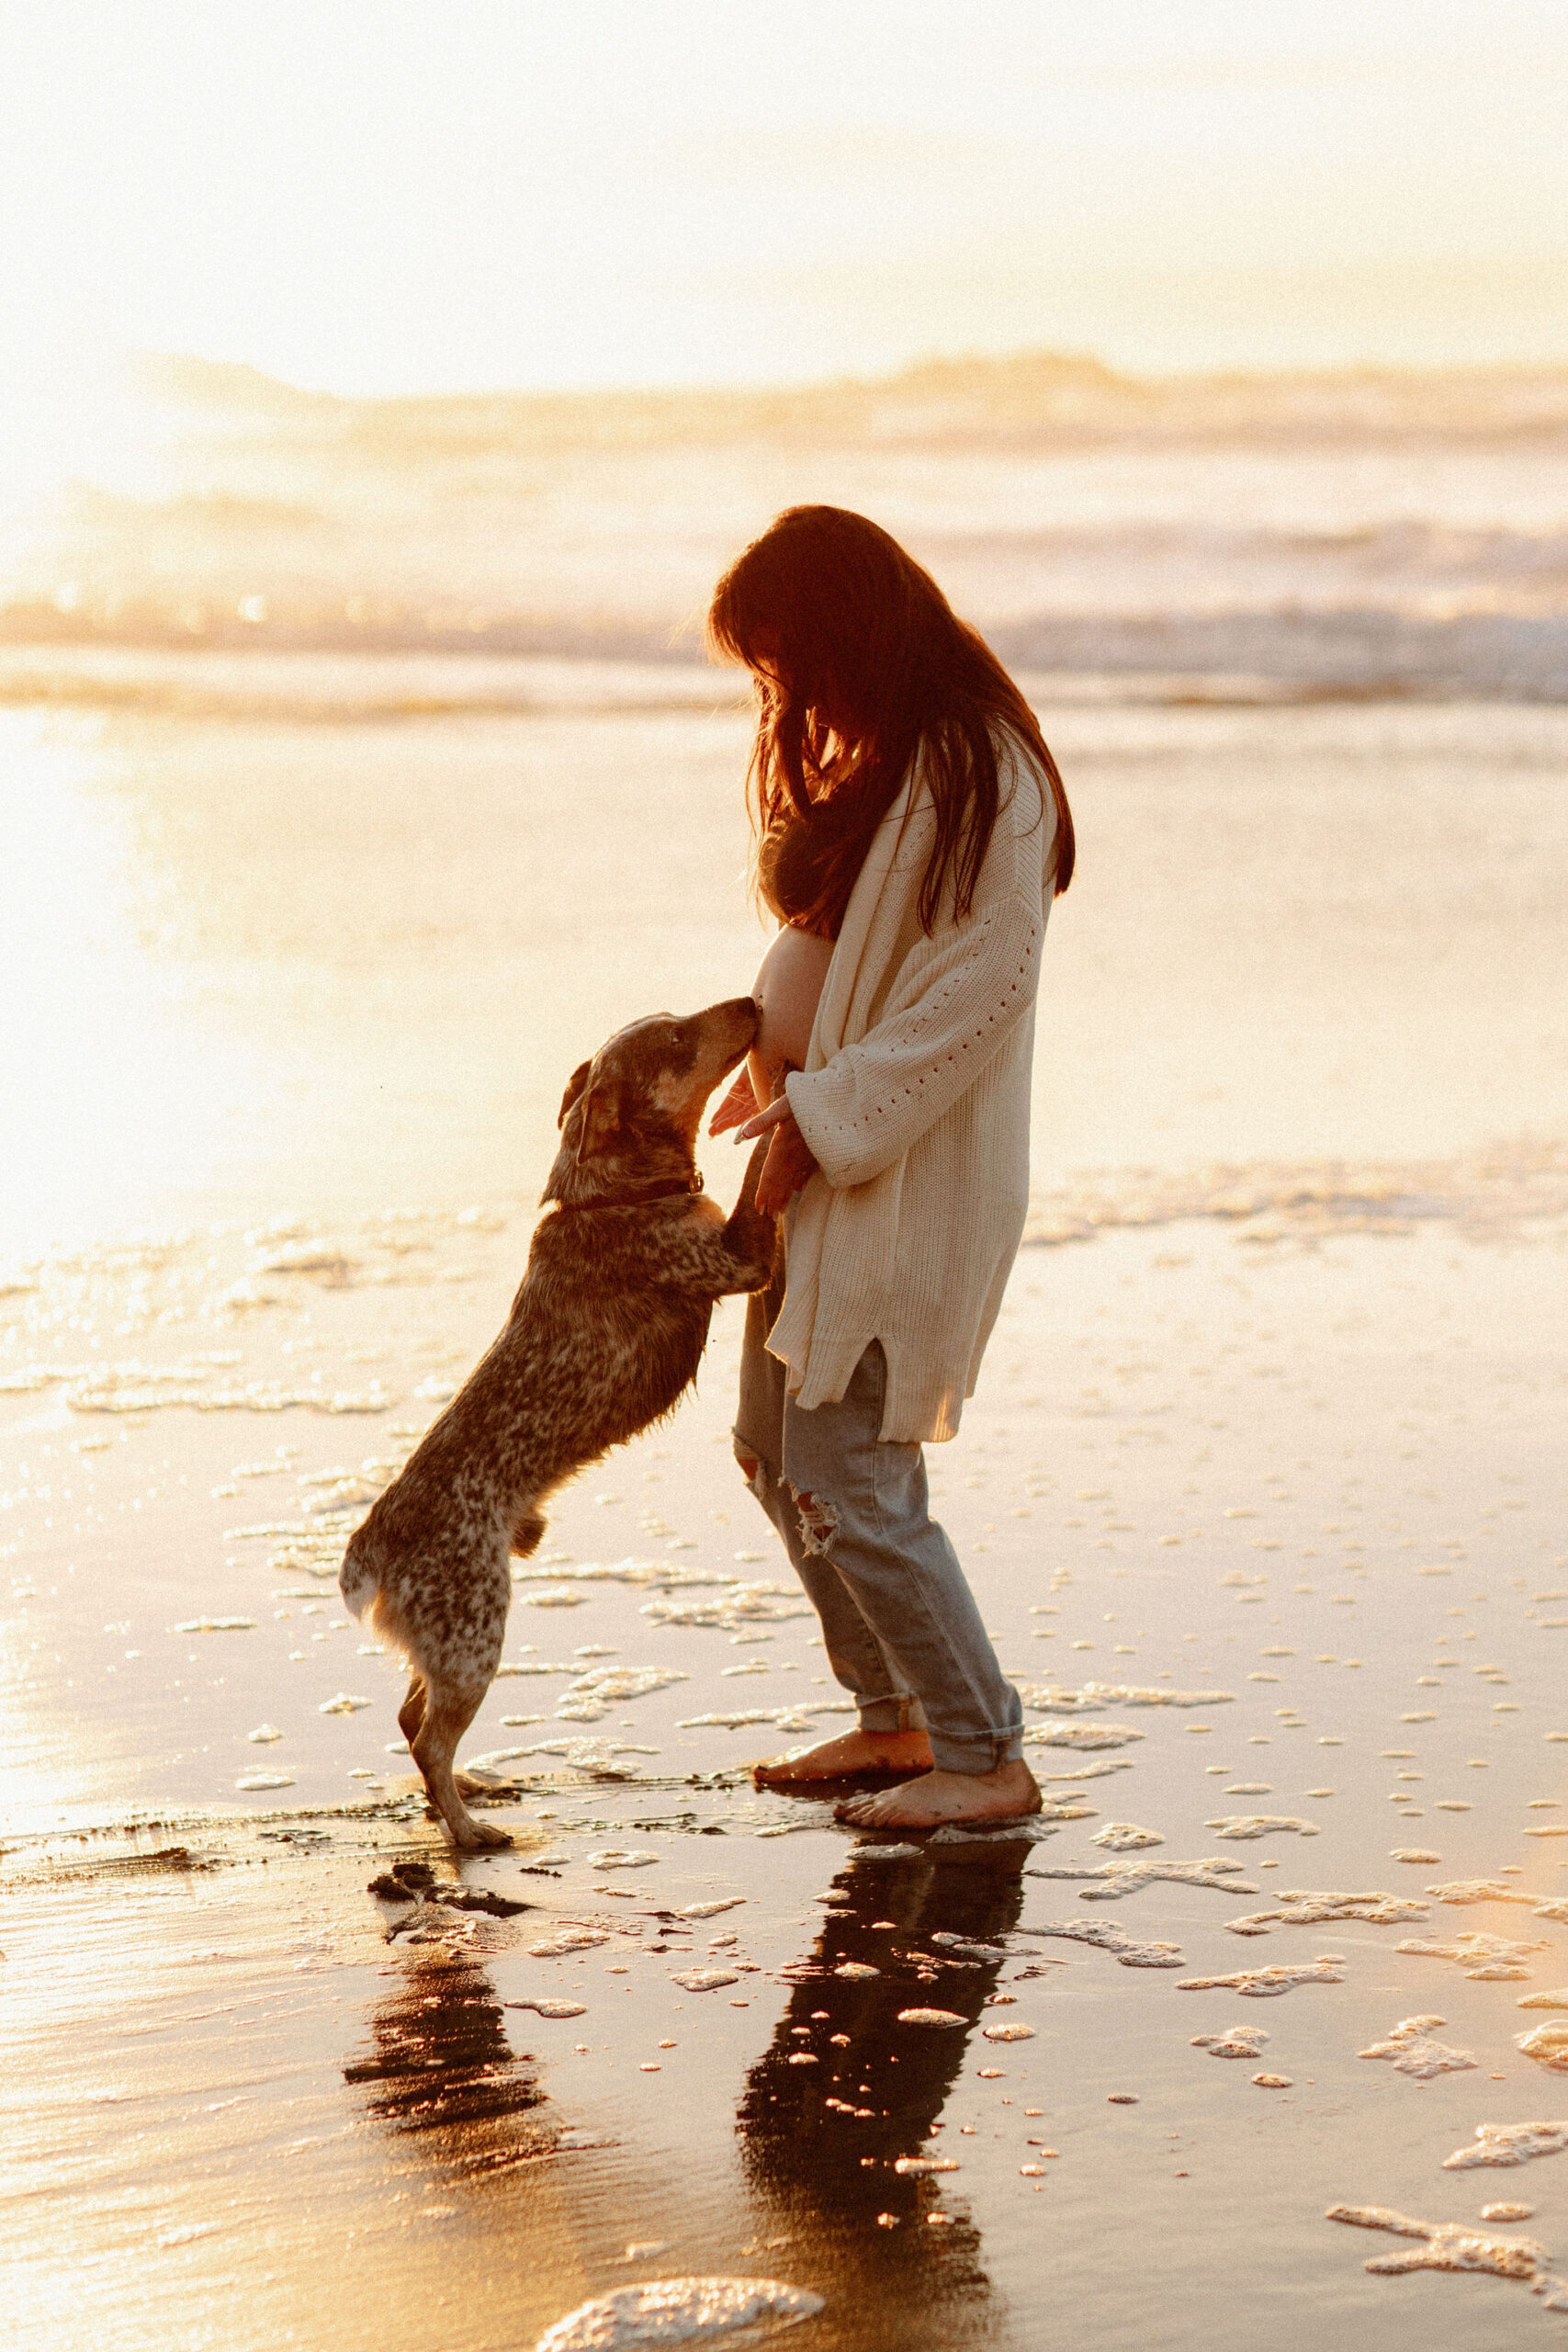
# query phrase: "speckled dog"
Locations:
[[606, 1330]]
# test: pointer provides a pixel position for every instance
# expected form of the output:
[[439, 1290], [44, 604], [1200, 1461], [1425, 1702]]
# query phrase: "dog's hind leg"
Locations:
[[449, 1709], [411, 1714]]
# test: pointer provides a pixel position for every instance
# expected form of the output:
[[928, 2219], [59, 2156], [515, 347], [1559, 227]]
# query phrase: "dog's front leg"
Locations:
[[750, 1239], [704, 1259]]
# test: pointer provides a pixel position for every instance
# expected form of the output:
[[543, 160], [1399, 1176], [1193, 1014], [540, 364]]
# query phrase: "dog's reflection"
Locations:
[[440, 2063], [820, 2139]]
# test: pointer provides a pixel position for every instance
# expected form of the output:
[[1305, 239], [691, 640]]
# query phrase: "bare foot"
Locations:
[[852, 1753], [1007, 1793]]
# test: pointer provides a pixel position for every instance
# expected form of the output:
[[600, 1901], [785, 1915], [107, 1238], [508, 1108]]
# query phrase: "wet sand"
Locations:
[[1310, 1492], [1263, 1494]]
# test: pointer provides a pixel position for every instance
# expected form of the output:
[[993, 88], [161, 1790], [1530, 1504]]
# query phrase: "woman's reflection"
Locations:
[[820, 2139]]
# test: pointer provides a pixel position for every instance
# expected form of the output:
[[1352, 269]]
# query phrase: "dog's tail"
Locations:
[[365, 1596], [359, 1578]]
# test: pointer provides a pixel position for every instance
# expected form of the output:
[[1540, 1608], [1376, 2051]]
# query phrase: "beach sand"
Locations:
[[1263, 1494]]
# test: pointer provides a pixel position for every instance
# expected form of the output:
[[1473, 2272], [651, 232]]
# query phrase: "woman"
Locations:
[[913, 831]]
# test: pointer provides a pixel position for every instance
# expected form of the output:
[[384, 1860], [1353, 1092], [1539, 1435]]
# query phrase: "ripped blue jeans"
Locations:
[[901, 1628]]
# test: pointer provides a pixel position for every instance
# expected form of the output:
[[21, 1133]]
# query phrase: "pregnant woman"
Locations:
[[912, 832]]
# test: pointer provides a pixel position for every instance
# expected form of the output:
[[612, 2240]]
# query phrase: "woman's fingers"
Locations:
[[738, 1104], [775, 1113], [774, 1193], [790, 1164]]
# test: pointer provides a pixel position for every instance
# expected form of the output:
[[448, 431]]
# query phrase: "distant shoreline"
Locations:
[[1063, 399]]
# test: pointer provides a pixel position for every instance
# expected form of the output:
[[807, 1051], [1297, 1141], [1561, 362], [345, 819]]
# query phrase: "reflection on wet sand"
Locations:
[[845, 2091], [440, 2063]]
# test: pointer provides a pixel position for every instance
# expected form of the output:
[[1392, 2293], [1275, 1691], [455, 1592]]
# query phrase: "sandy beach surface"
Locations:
[[1263, 1494]]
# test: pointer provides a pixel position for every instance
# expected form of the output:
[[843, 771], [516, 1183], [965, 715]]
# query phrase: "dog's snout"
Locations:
[[743, 1013], [726, 1032], [729, 1029]]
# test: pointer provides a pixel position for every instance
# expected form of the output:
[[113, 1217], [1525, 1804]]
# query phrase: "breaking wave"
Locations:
[[1374, 533], [1176, 658]]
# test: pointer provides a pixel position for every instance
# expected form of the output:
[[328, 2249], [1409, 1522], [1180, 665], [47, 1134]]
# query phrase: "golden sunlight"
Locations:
[[517, 1825]]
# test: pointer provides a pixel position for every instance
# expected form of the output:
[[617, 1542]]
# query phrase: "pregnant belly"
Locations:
[[787, 989]]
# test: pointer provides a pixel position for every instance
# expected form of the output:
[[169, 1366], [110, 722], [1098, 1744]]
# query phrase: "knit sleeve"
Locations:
[[866, 1107]]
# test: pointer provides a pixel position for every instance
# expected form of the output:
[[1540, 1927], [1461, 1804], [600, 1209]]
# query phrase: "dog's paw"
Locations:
[[471, 1835]]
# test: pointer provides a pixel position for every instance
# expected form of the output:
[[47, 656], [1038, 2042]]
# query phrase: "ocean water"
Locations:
[[1378, 533], [256, 962], [361, 770]]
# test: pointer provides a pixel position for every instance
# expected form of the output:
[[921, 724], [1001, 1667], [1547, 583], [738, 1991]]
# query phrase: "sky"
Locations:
[[390, 196]]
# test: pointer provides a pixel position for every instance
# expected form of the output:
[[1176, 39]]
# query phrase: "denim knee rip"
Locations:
[[818, 1521], [755, 1473]]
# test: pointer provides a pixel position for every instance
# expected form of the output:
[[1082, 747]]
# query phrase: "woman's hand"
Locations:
[[738, 1104], [791, 1162]]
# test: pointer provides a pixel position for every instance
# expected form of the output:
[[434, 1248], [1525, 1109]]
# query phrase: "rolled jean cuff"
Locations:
[[892, 1713], [982, 1755]]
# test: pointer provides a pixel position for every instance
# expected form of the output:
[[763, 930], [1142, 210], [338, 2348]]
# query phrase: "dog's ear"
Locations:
[[574, 1087], [601, 1120]]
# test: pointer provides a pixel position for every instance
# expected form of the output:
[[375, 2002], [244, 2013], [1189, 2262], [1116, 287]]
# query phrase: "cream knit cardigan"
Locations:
[[915, 1100]]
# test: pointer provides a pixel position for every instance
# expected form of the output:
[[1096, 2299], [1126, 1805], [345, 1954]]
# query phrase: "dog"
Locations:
[[605, 1333]]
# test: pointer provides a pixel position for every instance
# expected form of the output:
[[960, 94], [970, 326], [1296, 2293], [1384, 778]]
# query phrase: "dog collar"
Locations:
[[639, 1200]]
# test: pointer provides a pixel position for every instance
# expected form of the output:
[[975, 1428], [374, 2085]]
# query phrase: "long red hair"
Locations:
[[846, 633]]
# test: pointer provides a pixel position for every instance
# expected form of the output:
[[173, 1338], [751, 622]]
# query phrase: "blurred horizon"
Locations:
[[933, 369]]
